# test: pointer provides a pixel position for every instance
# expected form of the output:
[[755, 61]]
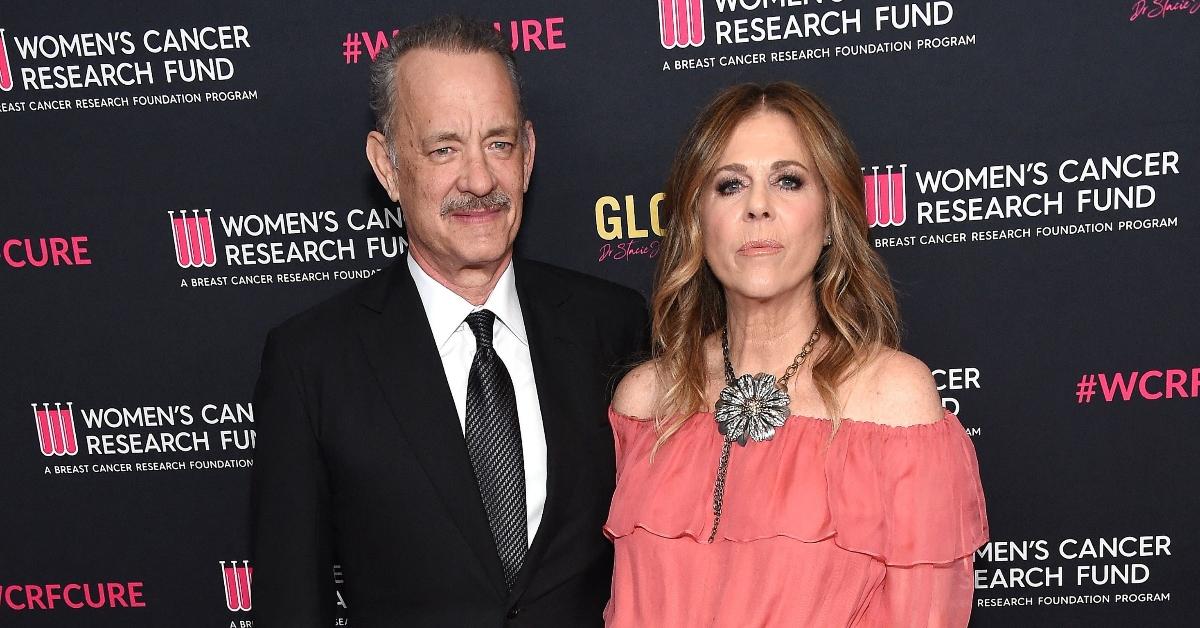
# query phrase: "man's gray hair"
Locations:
[[447, 33]]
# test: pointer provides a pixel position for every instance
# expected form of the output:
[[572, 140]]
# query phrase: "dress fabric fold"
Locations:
[[875, 526]]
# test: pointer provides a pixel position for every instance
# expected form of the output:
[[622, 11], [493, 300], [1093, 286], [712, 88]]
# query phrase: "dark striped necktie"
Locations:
[[494, 444]]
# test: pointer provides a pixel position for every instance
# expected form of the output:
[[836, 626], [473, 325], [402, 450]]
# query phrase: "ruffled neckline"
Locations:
[[614, 413], [902, 494]]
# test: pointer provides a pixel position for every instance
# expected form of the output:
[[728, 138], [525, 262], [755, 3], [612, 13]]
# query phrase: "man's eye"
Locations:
[[500, 145], [441, 152]]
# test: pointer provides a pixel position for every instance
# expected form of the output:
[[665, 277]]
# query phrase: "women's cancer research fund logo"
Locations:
[[681, 23], [56, 429], [194, 246], [885, 201], [6, 77], [237, 584]]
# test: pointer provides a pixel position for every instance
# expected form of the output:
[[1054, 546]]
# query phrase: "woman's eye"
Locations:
[[728, 187], [789, 182]]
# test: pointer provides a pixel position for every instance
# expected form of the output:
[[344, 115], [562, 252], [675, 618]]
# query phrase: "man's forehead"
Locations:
[[434, 135], [448, 126], [425, 69], [447, 89]]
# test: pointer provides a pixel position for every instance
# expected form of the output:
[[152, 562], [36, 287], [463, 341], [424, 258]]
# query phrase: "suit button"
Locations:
[[513, 612]]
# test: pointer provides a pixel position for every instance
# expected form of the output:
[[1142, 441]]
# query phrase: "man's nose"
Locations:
[[476, 176]]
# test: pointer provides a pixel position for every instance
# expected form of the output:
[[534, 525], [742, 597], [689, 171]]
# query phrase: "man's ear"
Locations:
[[530, 145], [381, 163]]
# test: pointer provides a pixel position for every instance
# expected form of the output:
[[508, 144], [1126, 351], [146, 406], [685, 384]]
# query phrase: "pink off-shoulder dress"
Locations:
[[874, 528]]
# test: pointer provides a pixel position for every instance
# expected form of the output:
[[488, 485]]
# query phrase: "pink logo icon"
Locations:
[[681, 23], [237, 585], [56, 429], [6, 79], [885, 196], [193, 239]]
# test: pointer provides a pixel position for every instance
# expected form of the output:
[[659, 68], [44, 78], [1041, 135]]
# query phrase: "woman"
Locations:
[[734, 505]]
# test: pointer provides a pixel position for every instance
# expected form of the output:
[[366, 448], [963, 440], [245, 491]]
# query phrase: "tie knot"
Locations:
[[481, 325]]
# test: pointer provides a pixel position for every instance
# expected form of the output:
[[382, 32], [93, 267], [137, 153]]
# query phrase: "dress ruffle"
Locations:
[[903, 495]]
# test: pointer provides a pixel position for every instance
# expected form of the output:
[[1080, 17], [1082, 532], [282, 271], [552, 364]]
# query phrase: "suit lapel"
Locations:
[[400, 349], [550, 348]]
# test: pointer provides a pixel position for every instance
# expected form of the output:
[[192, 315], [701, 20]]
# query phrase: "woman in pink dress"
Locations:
[[736, 504]]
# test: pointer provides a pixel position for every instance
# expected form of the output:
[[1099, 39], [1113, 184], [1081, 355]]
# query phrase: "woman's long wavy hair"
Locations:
[[856, 306]]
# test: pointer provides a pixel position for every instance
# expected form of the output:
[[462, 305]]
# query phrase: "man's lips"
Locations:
[[760, 247], [478, 213]]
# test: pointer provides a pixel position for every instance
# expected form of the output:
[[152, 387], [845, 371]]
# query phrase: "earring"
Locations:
[[828, 239]]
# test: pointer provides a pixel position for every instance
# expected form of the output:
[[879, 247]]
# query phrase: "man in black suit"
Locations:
[[440, 428]]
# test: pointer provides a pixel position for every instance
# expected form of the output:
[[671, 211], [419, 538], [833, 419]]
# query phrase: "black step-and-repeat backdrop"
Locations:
[[175, 178]]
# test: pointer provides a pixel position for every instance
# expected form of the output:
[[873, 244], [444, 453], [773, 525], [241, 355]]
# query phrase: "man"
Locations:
[[440, 428]]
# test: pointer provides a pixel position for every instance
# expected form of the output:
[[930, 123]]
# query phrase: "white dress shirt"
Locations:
[[447, 313]]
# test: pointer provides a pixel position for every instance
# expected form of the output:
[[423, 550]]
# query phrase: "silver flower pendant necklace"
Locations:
[[750, 406]]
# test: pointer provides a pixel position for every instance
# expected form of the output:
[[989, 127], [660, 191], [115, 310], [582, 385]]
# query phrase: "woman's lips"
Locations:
[[760, 247]]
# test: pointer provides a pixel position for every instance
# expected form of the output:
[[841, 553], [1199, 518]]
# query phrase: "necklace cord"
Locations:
[[723, 466], [787, 374]]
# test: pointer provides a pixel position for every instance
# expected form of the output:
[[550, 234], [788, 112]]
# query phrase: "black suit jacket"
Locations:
[[360, 456]]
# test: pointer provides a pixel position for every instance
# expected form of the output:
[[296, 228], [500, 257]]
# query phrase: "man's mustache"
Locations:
[[470, 202]]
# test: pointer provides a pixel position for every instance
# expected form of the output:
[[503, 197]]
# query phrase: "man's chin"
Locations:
[[483, 257]]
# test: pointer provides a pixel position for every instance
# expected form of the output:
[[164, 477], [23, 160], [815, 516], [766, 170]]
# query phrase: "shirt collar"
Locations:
[[446, 310]]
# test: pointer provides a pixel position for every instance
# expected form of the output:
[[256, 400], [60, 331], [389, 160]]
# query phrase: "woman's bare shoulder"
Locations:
[[894, 388], [638, 392]]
